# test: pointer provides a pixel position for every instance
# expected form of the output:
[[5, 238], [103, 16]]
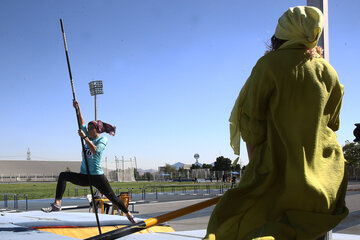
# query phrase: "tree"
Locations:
[[148, 176], [352, 154], [236, 167], [181, 170], [206, 166], [136, 174], [222, 164], [195, 166], [169, 169]]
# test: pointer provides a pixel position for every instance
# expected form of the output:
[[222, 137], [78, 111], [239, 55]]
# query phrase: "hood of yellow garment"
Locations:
[[301, 26]]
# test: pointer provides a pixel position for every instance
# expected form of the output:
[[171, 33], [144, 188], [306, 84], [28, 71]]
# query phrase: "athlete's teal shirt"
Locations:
[[94, 160]]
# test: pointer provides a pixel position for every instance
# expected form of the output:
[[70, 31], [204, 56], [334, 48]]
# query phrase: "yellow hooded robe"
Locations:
[[295, 183]]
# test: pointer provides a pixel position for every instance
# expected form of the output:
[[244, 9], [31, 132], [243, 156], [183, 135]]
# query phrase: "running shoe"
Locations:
[[53, 208]]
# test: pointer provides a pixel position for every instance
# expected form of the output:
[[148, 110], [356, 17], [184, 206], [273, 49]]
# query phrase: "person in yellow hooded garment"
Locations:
[[287, 113]]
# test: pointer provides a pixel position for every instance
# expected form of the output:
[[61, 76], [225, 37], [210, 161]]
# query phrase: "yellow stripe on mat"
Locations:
[[86, 232]]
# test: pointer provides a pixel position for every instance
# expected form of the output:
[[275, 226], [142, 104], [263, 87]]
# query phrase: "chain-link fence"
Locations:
[[198, 175], [120, 170], [354, 173]]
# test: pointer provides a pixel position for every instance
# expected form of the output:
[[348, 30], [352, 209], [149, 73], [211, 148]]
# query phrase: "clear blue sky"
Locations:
[[172, 70]]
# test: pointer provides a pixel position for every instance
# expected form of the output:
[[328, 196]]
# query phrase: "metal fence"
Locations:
[[145, 193], [127, 175], [354, 173], [195, 174], [8, 198], [155, 192]]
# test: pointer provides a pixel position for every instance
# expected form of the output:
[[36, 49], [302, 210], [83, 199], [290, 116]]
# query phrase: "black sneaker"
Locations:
[[53, 208]]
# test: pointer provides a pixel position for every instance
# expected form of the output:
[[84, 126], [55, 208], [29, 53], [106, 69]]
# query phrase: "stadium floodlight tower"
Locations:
[[96, 88]]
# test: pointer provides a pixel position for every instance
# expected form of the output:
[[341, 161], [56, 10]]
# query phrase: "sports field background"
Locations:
[[47, 190]]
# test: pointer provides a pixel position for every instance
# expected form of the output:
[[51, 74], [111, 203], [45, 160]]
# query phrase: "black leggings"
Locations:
[[98, 181]]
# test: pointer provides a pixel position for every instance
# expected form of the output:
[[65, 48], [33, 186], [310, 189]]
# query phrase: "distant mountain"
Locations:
[[141, 171], [178, 165], [181, 165]]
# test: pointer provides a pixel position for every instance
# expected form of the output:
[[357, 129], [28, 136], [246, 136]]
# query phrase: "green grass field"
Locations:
[[47, 190]]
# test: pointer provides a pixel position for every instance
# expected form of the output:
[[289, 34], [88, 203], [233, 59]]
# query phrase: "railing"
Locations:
[[6, 197], [155, 191]]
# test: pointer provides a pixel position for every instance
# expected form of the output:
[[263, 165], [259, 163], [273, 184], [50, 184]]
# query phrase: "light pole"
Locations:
[[96, 87]]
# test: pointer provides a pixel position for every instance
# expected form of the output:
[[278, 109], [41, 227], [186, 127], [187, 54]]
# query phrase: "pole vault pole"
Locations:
[[124, 231], [79, 125]]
